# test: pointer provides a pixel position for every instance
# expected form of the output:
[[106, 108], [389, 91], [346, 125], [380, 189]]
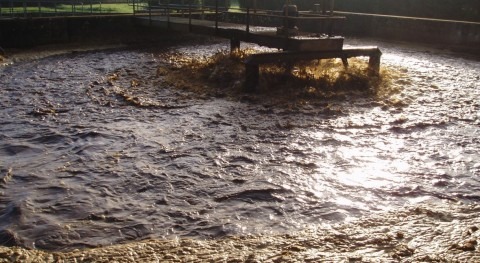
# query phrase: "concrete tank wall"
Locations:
[[17, 33], [456, 35], [459, 35]]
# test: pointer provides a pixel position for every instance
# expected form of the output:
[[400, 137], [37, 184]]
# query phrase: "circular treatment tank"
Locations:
[[96, 149]]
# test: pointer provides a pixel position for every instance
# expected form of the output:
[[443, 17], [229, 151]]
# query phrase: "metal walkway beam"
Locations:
[[253, 62]]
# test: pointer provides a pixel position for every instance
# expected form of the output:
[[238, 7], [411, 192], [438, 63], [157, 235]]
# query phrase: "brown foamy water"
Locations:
[[99, 148]]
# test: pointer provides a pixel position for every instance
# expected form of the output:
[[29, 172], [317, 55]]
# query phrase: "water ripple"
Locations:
[[95, 150]]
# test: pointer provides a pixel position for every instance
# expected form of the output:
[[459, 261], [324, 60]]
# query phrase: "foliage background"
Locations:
[[465, 10]]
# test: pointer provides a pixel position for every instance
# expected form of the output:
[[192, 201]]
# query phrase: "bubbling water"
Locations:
[[106, 147]]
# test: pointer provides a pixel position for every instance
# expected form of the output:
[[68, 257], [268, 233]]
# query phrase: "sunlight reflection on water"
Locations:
[[181, 165]]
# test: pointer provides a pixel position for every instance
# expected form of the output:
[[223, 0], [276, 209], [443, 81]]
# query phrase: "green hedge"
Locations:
[[441, 9], [466, 10]]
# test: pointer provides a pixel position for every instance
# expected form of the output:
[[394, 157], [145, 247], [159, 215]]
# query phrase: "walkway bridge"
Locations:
[[316, 39]]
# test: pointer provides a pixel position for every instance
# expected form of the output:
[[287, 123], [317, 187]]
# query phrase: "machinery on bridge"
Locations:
[[300, 35]]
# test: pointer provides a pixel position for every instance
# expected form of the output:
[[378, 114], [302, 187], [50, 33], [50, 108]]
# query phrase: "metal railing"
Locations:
[[48, 8], [249, 15]]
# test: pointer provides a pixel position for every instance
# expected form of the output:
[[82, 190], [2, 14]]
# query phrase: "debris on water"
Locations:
[[6, 175], [363, 240], [280, 83]]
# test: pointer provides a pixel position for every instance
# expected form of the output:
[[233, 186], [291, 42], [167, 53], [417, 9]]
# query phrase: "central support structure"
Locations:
[[299, 46], [319, 42], [253, 62]]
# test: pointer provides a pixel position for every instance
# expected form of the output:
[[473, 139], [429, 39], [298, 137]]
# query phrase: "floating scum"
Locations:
[[310, 81], [421, 234]]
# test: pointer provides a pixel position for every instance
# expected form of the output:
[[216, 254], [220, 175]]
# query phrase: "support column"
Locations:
[[252, 76], [234, 44], [248, 21], [345, 61], [374, 63]]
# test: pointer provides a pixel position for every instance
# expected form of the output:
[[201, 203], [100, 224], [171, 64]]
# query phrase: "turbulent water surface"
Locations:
[[94, 150]]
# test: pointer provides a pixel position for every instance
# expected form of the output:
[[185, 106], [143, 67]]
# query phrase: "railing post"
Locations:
[[149, 13], [216, 16], [286, 26], [168, 14], [190, 16], [24, 8], [248, 19]]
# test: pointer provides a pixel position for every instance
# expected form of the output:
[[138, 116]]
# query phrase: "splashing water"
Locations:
[[100, 148]]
